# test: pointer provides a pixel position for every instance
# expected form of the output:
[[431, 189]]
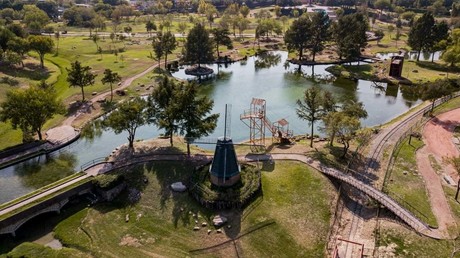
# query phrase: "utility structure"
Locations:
[[257, 121]]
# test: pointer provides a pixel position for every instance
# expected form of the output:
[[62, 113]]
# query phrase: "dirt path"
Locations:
[[437, 135], [126, 83]]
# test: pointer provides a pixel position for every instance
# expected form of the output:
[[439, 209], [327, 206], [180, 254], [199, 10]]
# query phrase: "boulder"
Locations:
[[219, 220], [178, 187]]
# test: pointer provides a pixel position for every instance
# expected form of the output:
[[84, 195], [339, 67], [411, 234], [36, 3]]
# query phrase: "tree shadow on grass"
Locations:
[[30, 71], [185, 209]]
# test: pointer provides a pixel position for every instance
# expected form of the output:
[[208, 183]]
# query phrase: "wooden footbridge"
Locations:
[[385, 200]]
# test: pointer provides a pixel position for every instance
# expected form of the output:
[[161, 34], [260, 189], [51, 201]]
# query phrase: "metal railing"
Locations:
[[93, 162]]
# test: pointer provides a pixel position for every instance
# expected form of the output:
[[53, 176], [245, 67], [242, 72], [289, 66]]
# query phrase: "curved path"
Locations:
[[438, 136], [126, 83]]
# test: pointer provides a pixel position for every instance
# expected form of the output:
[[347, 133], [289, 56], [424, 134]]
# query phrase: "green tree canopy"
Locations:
[[421, 34], [320, 32], [110, 77], [199, 47], [298, 35], [80, 76], [313, 106], [29, 109], [221, 37], [350, 35], [196, 121], [128, 116], [34, 18], [42, 45], [163, 108]]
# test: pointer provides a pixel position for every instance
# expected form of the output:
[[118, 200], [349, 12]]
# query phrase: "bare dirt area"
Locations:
[[438, 137]]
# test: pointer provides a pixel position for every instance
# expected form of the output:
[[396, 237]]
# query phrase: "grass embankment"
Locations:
[[406, 184], [295, 198]]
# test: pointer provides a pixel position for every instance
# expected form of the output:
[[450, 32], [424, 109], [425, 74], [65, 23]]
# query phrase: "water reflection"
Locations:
[[267, 60], [424, 56], [92, 130], [45, 170]]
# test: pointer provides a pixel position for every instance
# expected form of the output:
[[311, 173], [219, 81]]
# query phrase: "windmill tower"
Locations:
[[225, 170]]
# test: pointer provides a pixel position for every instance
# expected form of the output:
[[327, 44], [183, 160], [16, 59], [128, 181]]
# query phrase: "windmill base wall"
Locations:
[[219, 181]]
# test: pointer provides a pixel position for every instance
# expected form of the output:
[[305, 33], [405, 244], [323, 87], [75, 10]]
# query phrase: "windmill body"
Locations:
[[225, 170]]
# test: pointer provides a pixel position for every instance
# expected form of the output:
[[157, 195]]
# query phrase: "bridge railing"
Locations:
[[93, 162]]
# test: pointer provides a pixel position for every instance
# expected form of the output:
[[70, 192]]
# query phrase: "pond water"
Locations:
[[268, 77]]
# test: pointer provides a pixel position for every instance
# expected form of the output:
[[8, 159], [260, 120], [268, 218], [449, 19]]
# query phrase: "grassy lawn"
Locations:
[[450, 105], [405, 243], [36, 250], [407, 184], [294, 213]]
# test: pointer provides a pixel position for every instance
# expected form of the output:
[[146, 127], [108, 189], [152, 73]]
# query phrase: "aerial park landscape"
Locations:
[[229, 129]]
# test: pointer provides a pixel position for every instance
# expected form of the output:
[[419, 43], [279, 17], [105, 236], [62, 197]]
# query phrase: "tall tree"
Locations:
[[440, 38], [196, 121], [421, 34], [128, 117], [42, 45], [29, 109], [169, 44], [199, 47], [298, 36], [150, 26], [333, 120], [80, 76], [319, 32], [163, 109], [110, 78], [350, 35], [347, 128], [312, 107], [221, 37]]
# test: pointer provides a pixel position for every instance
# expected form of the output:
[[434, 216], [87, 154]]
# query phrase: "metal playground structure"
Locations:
[[257, 121]]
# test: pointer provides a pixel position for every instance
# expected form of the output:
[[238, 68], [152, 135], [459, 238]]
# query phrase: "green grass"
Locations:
[[295, 209], [410, 187], [36, 250], [447, 106], [409, 244]]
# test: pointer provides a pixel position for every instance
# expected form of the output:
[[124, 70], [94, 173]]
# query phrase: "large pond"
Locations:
[[268, 77]]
